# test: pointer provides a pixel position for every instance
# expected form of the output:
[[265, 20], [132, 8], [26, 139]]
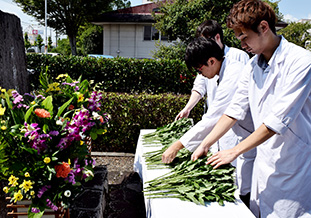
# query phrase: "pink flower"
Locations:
[[42, 113]]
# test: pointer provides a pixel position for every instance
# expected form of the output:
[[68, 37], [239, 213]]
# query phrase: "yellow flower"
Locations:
[[2, 110], [33, 102], [6, 189], [3, 90], [62, 75], [27, 174], [47, 160], [69, 162], [32, 193], [17, 196], [105, 130], [80, 97], [26, 185], [3, 127], [81, 142], [13, 180]]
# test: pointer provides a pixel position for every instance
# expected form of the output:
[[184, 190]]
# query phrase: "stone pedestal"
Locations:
[[92, 201], [13, 71]]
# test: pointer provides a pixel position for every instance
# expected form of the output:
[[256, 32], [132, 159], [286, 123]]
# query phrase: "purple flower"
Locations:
[[51, 205], [35, 210], [42, 190]]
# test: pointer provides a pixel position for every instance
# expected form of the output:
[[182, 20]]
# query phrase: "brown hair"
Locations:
[[249, 13]]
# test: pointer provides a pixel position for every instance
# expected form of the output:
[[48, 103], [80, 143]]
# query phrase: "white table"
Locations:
[[175, 208]]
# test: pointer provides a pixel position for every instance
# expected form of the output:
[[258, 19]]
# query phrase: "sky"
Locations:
[[292, 10]]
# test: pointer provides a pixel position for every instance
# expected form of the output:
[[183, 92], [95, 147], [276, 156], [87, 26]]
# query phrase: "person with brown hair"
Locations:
[[276, 87]]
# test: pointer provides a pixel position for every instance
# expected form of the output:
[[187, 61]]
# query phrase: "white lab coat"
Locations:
[[219, 100], [280, 98], [205, 86], [244, 163]]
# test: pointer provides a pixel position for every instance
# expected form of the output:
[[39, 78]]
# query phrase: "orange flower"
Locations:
[[62, 170], [42, 113], [71, 107], [101, 119]]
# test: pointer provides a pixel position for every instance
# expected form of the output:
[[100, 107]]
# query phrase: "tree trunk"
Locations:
[[13, 71], [73, 46]]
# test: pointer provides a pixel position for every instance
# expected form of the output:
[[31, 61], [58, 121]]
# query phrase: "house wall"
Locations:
[[127, 40]]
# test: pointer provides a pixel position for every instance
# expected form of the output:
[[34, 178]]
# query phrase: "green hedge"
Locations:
[[118, 74], [132, 112]]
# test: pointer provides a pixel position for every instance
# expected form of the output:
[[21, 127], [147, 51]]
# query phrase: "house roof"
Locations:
[[137, 14]]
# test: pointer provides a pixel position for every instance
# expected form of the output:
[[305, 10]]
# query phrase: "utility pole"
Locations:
[[46, 30]]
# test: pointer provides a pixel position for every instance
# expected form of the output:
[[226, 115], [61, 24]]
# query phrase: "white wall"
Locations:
[[127, 40]]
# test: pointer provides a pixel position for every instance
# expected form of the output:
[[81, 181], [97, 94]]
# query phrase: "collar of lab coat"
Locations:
[[222, 69], [273, 65]]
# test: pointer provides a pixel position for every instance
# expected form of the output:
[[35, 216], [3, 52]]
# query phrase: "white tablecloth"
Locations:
[[175, 208]]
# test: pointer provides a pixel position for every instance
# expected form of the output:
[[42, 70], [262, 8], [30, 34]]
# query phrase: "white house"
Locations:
[[129, 32]]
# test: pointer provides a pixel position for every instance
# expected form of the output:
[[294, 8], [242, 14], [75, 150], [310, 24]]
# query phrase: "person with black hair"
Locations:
[[207, 58]]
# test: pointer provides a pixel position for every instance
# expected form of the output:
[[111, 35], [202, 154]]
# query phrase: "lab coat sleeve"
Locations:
[[295, 89], [199, 85], [239, 105], [192, 139]]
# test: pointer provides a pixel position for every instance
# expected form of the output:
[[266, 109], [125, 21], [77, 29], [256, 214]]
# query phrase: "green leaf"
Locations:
[[48, 105], [34, 215], [28, 113], [64, 106], [93, 135]]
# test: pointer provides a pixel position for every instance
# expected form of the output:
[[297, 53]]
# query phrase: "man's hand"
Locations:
[[222, 157], [182, 114], [169, 155], [200, 151]]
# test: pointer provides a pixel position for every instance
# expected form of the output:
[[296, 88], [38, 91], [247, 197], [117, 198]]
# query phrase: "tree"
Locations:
[[26, 41], [50, 42], [66, 16], [39, 42], [297, 33], [90, 39], [63, 47], [180, 18]]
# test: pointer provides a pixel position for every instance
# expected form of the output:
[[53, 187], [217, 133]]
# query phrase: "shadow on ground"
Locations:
[[126, 200]]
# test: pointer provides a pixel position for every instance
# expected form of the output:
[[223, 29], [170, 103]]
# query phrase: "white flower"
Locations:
[[67, 193], [95, 115], [88, 172]]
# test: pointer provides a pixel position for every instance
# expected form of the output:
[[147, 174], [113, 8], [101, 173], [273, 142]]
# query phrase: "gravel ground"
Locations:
[[119, 166]]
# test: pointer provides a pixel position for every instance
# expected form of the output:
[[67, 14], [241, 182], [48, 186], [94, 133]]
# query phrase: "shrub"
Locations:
[[132, 112], [117, 74]]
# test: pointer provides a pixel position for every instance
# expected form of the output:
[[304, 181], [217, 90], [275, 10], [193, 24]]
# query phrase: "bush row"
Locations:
[[117, 74], [132, 112]]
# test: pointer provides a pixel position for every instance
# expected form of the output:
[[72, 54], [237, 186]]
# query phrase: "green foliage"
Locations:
[[179, 19], [26, 41], [132, 112], [50, 42], [90, 39], [174, 51], [63, 47], [297, 33], [118, 74], [39, 42]]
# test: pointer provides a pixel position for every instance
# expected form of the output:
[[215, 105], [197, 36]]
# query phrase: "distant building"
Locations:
[[129, 32]]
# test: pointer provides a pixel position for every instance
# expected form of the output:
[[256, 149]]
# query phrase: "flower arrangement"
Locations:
[[43, 142]]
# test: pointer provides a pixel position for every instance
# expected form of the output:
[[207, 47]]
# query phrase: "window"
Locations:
[[151, 33]]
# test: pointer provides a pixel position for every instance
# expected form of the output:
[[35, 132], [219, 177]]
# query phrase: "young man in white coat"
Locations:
[[203, 86], [276, 87], [208, 58]]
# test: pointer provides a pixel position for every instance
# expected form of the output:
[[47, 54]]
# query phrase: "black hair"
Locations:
[[200, 50], [209, 29]]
